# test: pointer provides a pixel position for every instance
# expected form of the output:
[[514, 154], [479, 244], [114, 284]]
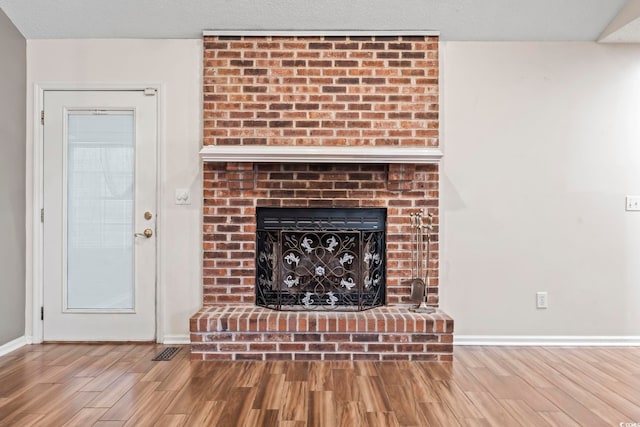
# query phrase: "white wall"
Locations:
[[542, 143], [177, 65]]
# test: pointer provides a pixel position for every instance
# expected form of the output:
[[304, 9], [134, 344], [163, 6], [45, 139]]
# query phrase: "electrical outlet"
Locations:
[[633, 203], [542, 300]]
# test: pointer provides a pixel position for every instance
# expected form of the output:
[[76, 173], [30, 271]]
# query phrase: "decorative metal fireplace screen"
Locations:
[[320, 259]]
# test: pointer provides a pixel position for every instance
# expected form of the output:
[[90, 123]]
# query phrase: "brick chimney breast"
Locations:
[[364, 93]]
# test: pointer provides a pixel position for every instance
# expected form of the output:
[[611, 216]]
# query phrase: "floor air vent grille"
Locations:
[[166, 354]]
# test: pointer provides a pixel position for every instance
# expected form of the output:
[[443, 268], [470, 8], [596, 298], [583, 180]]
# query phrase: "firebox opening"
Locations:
[[320, 259]]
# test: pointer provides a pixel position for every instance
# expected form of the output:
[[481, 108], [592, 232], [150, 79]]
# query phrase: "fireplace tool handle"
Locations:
[[415, 249]]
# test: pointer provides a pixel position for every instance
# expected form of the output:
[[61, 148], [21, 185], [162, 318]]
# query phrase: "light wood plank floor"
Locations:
[[116, 385]]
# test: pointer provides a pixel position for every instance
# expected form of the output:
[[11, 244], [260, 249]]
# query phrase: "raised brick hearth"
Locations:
[[362, 92], [256, 333]]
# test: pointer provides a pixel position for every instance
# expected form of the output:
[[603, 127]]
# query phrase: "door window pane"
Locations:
[[100, 209]]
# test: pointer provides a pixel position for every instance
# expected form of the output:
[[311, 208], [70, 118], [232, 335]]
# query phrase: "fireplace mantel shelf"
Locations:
[[324, 154]]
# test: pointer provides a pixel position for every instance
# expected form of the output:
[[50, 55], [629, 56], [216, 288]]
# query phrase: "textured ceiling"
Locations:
[[455, 19]]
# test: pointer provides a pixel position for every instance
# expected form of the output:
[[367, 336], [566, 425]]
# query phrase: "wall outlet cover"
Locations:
[[542, 300]]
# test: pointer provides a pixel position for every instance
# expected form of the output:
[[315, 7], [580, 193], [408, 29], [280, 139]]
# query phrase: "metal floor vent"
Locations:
[[166, 354]]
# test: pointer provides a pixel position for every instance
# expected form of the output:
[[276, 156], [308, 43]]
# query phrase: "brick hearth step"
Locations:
[[241, 332]]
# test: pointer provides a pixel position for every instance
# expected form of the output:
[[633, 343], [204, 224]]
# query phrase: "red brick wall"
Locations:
[[232, 191], [316, 91], [321, 91]]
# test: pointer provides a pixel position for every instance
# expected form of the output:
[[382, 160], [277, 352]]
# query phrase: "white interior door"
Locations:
[[99, 216]]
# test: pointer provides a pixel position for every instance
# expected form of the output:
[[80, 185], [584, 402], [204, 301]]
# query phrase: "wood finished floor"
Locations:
[[116, 385]]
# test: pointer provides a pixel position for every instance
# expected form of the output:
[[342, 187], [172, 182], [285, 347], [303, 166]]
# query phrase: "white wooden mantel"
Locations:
[[316, 154]]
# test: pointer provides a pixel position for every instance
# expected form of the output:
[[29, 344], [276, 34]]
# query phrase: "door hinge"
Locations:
[[150, 91], [42, 215], [42, 117], [42, 313]]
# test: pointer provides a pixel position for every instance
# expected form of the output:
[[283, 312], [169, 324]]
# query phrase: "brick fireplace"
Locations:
[[317, 122]]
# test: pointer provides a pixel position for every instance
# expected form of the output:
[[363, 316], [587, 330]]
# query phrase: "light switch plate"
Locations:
[[183, 196], [633, 203]]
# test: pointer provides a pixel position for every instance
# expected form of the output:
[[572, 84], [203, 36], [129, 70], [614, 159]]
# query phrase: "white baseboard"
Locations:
[[547, 340], [13, 345], [176, 339]]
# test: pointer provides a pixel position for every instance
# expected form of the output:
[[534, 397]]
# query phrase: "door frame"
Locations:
[[34, 304]]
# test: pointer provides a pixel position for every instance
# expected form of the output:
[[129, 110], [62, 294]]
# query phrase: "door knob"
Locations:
[[147, 233]]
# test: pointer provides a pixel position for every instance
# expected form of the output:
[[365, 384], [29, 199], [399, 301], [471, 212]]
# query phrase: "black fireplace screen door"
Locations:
[[320, 259]]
